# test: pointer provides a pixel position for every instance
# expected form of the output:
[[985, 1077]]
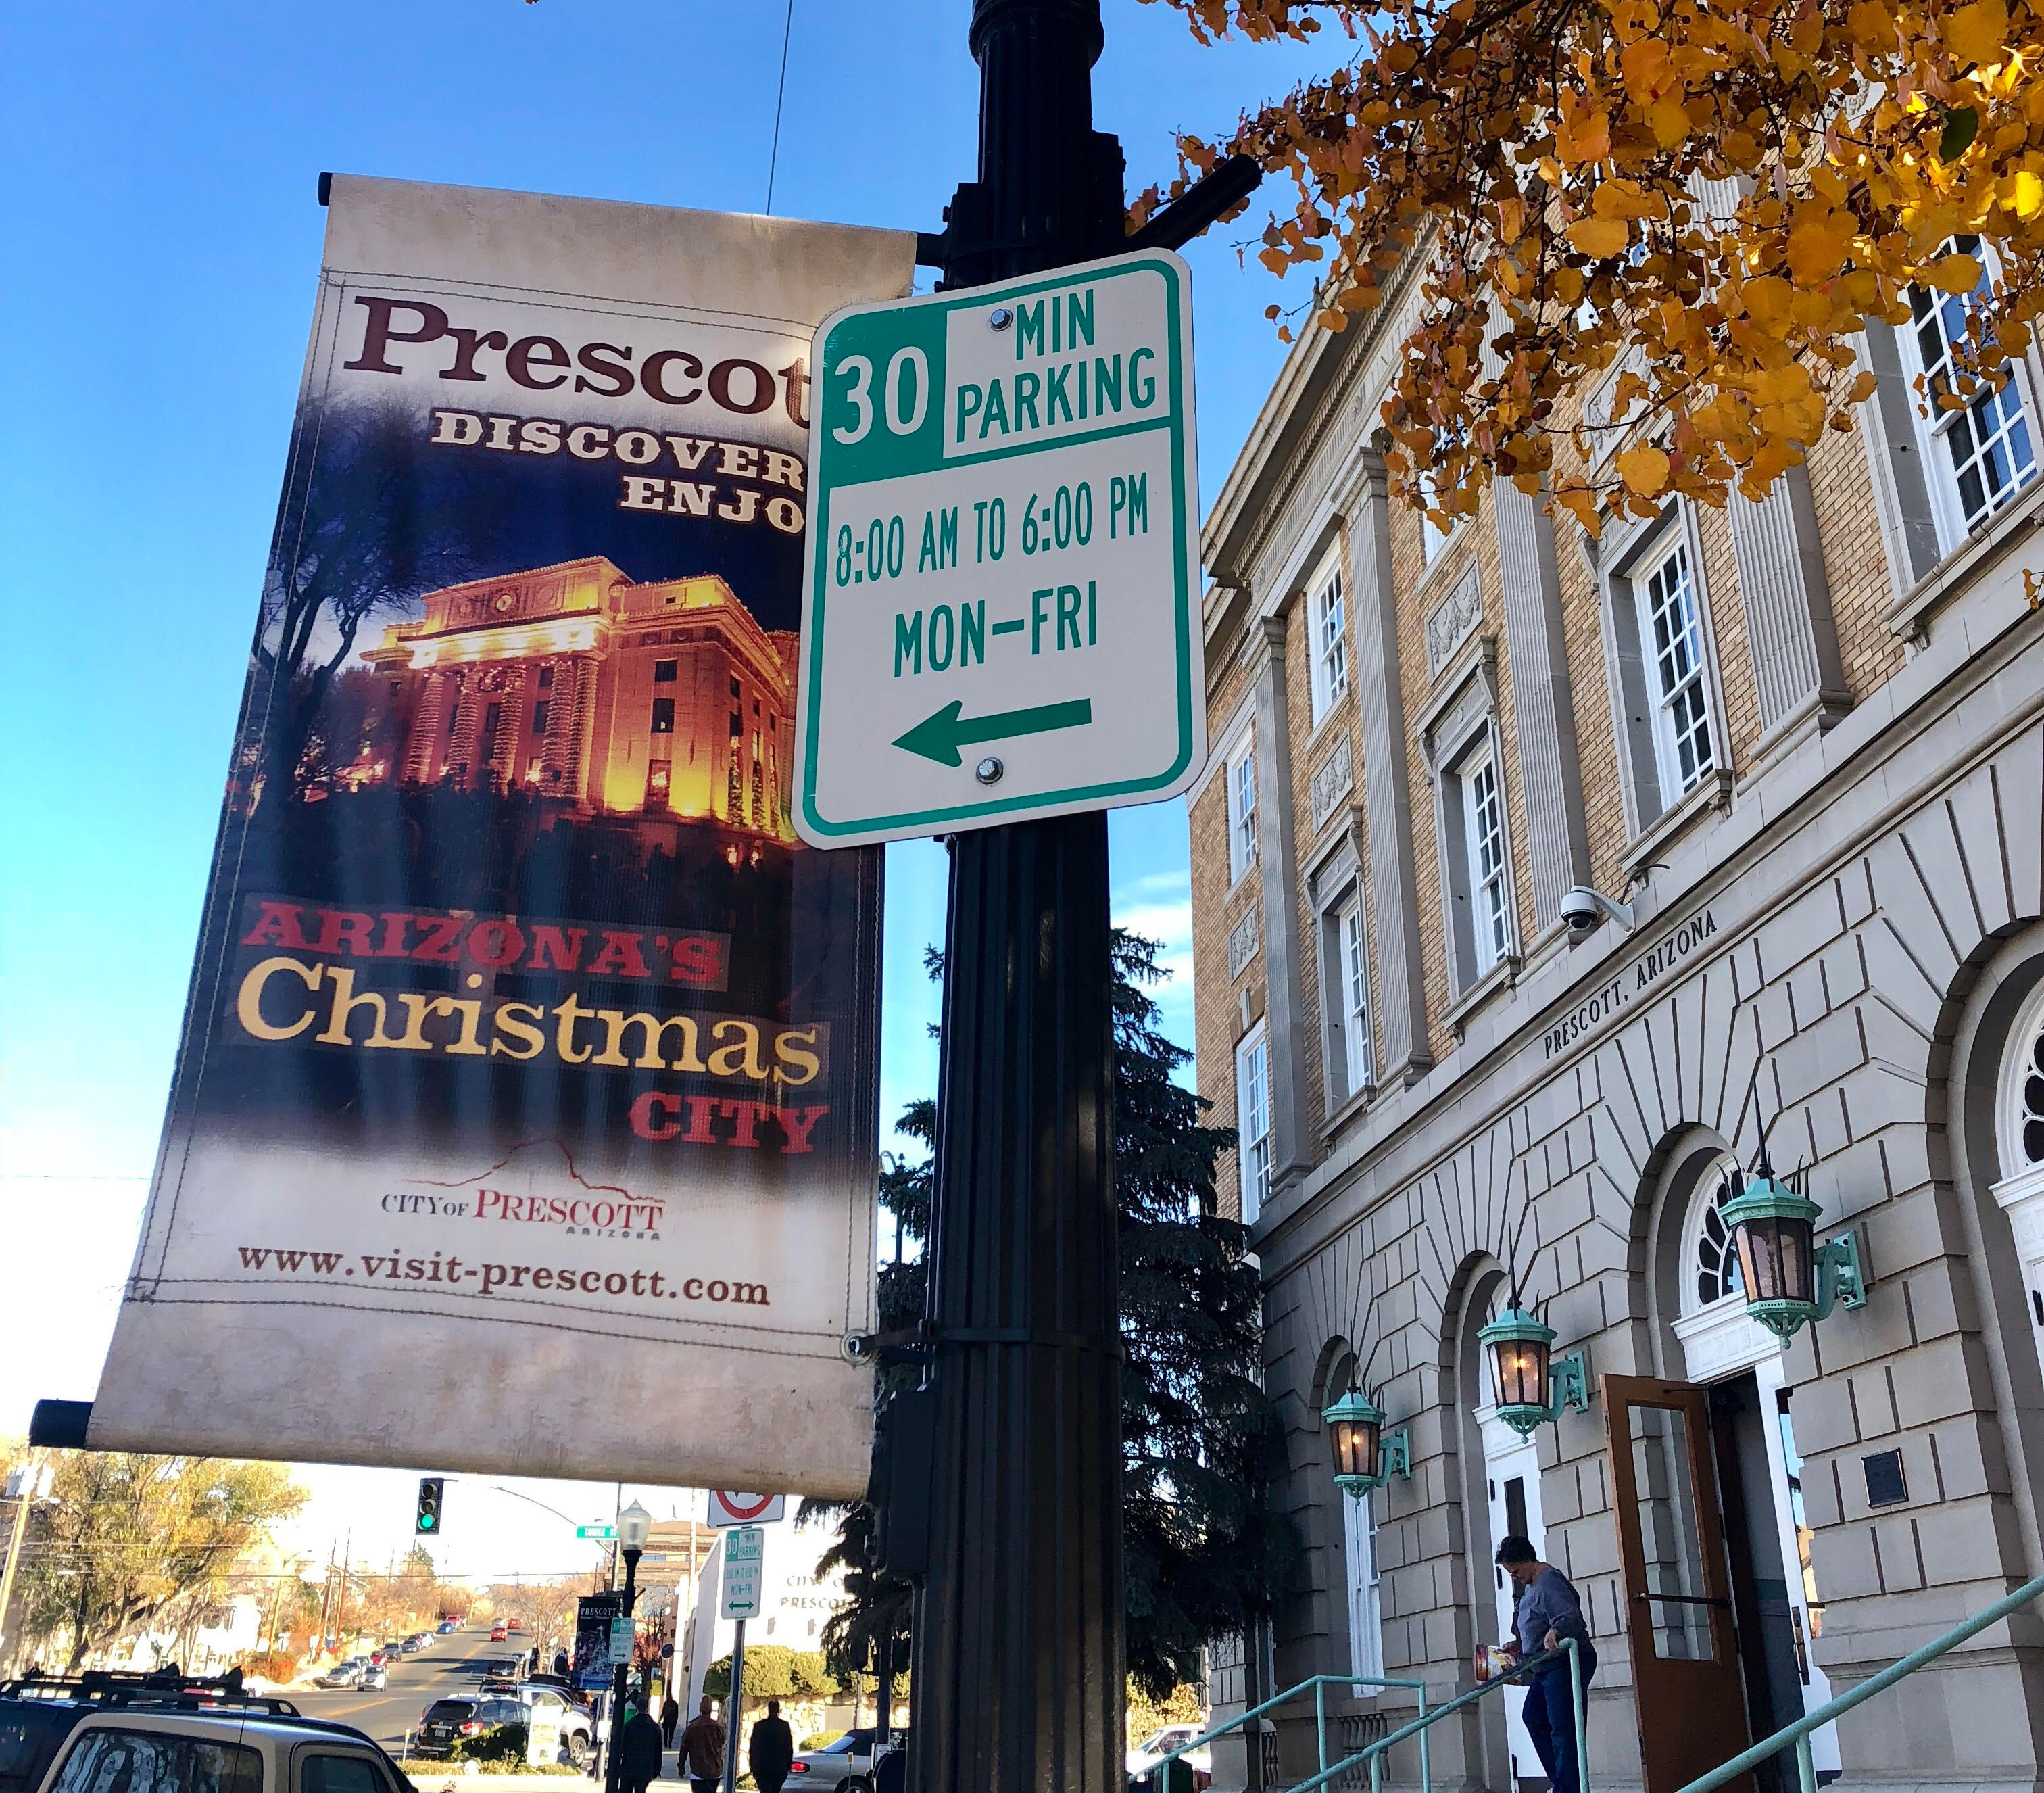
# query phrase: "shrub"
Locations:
[[506, 1743]]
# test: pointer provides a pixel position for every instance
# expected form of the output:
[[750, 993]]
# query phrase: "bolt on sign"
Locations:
[[1002, 605], [529, 1075]]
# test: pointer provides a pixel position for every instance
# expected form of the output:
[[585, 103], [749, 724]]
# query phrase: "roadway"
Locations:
[[449, 1665]]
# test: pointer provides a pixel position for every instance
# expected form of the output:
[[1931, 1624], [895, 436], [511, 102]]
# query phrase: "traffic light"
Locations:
[[430, 1489]]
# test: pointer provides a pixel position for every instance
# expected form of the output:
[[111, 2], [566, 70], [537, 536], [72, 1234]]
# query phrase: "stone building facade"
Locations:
[[1803, 740], [575, 684]]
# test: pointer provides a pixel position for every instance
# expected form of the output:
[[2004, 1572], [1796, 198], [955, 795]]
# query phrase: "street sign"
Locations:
[[621, 1638], [744, 1568], [596, 1531], [1001, 595], [729, 1509]]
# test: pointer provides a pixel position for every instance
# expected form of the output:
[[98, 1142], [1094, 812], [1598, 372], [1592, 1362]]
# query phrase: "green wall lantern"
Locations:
[[1789, 1279], [1533, 1386], [1365, 1457]]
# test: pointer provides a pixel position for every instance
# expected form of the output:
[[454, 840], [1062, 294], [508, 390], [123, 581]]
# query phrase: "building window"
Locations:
[[1980, 454], [546, 677], [1671, 638], [1366, 1606], [1345, 954], [1242, 809], [2022, 1093], [1252, 1113], [1330, 645], [1471, 842], [1665, 699], [664, 716], [1484, 869], [665, 671], [540, 717], [1713, 1265]]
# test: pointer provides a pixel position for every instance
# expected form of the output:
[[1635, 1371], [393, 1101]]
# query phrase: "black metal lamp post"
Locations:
[[1790, 1280], [1018, 1670], [634, 1524]]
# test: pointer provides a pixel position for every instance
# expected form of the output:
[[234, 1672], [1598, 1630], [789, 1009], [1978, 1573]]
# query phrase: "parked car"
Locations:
[[411, 1646], [572, 1714], [448, 1625], [31, 1731], [889, 1771], [347, 1673], [374, 1675], [448, 1722], [837, 1764], [1152, 1750], [168, 1730]]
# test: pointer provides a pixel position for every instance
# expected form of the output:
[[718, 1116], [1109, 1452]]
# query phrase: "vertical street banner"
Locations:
[[525, 1114], [595, 1616]]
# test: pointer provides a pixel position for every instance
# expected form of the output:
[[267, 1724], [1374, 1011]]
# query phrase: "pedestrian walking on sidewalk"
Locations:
[[702, 1751], [670, 1715], [639, 1750], [772, 1751], [1549, 1611]]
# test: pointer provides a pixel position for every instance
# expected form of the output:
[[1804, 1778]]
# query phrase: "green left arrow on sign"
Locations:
[[939, 735]]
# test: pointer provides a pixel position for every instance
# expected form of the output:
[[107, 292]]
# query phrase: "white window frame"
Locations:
[[2014, 411], [1327, 609], [1366, 1599], [1240, 777], [1650, 775], [1252, 1120], [1675, 661], [1345, 957], [1486, 857], [1460, 737]]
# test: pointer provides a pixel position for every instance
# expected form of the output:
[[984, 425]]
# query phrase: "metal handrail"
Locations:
[[1319, 1683], [1374, 1753], [1799, 1732], [1419, 1727]]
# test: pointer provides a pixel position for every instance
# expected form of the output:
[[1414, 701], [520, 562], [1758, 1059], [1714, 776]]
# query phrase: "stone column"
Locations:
[[1278, 867], [1557, 842], [1788, 627], [1380, 708]]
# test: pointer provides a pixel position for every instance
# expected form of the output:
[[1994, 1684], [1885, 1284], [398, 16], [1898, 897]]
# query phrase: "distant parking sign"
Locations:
[[744, 1568]]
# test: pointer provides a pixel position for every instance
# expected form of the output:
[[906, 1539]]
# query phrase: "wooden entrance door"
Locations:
[[1678, 1618]]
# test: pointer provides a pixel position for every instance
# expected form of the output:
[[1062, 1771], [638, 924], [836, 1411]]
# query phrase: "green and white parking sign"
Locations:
[[1002, 600]]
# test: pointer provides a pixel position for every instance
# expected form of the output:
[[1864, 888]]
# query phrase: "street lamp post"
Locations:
[[1019, 1651], [633, 1525]]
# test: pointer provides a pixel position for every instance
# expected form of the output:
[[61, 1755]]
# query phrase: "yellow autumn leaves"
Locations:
[[1716, 197]]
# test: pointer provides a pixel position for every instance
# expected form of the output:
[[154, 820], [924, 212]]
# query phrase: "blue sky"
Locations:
[[159, 239]]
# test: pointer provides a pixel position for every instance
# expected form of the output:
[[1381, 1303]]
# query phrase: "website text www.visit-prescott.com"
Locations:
[[489, 1279]]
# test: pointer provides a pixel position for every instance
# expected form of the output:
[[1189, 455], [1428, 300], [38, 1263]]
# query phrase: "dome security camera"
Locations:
[[1583, 908]]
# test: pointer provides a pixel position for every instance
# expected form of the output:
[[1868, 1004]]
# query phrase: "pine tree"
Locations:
[[1205, 1552]]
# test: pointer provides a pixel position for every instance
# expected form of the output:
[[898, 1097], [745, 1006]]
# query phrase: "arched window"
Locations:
[[2022, 1102], [1710, 1265]]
